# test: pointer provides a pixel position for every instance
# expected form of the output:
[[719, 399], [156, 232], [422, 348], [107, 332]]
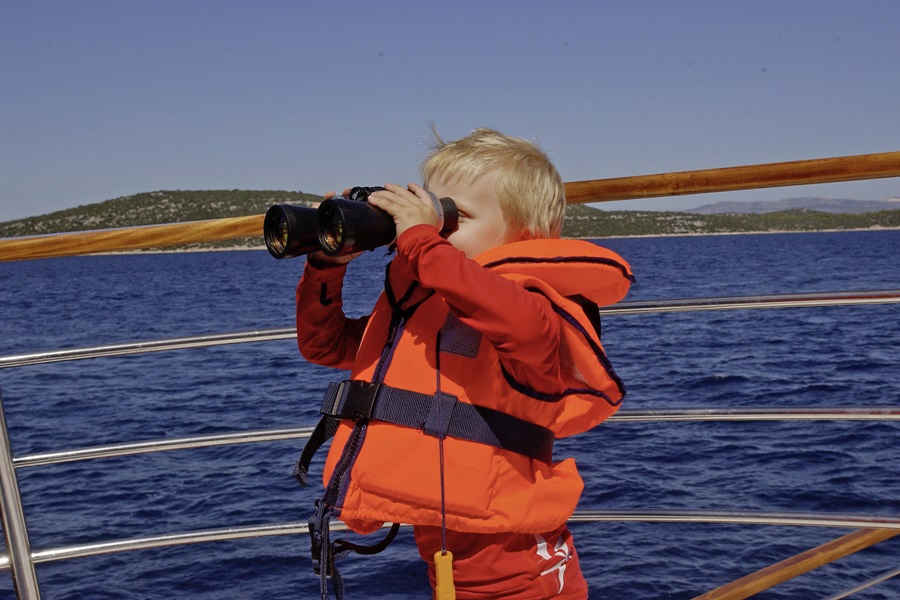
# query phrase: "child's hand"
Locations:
[[409, 207], [320, 259]]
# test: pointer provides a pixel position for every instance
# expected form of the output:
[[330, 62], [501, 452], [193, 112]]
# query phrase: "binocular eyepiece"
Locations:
[[340, 225]]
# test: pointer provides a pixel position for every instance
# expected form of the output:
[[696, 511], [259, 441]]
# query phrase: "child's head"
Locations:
[[527, 185]]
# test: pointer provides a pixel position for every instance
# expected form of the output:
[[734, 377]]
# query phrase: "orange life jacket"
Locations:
[[382, 472]]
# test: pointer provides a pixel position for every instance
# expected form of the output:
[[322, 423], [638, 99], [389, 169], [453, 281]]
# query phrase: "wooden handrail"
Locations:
[[797, 565], [823, 170], [130, 238], [802, 172]]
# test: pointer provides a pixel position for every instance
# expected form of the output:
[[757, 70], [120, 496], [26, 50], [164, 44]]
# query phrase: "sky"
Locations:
[[102, 99]]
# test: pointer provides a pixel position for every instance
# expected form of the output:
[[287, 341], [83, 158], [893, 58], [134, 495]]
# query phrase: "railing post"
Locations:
[[14, 530]]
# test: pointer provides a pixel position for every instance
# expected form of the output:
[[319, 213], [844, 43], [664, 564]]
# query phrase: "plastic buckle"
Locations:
[[359, 399]]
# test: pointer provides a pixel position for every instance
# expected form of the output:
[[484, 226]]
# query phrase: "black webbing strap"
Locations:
[[324, 431], [325, 552], [439, 415]]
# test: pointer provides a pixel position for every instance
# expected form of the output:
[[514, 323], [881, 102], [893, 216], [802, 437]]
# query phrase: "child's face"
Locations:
[[481, 222]]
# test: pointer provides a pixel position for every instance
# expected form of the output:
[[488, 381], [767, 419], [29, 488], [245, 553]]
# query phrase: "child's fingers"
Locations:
[[421, 193], [406, 207], [332, 194], [395, 199], [392, 198], [392, 193], [381, 199]]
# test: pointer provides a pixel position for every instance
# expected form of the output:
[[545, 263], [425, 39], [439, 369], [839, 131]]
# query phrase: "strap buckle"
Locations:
[[351, 399]]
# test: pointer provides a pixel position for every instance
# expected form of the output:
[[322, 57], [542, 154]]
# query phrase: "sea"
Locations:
[[776, 358]]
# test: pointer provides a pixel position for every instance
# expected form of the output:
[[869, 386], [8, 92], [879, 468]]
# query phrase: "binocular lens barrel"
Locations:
[[339, 226], [290, 231], [348, 226], [331, 230]]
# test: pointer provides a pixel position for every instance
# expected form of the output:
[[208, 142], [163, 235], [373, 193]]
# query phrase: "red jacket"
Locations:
[[526, 349]]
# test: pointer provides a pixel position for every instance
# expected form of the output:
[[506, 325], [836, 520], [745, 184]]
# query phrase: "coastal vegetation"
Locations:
[[156, 208], [584, 221], [581, 220]]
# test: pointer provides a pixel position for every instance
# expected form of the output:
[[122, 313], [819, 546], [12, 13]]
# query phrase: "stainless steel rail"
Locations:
[[866, 584], [749, 302], [875, 413], [124, 349], [164, 540], [160, 445], [15, 530], [580, 516], [623, 308], [738, 518], [24, 559]]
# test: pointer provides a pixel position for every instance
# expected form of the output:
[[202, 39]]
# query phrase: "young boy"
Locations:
[[483, 347]]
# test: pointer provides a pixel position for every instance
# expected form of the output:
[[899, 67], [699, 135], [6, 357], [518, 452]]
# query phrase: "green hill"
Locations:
[[584, 221], [581, 221], [154, 208]]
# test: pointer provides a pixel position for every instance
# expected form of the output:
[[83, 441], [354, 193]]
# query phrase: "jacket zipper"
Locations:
[[336, 491]]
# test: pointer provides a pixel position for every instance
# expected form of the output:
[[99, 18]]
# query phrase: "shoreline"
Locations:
[[774, 231], [610, 237]]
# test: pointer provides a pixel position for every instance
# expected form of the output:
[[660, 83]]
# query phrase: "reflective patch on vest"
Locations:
[[458, 338]]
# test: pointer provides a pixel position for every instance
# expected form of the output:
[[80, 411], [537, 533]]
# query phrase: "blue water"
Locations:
[[785, 358]]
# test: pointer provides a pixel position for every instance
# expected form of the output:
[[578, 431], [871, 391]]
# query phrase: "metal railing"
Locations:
[[21, 558]]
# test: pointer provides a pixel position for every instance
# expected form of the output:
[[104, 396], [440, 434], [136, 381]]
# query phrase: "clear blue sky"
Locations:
[[100, 99]]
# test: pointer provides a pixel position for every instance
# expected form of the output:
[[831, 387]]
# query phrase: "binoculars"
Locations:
[[340, 225]]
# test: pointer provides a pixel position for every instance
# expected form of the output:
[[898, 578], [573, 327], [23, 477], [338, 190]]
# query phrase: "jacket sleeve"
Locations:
[[520, 324], [325, 335]]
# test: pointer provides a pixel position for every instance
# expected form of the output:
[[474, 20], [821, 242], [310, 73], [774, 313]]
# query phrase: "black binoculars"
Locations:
[[340, 225]]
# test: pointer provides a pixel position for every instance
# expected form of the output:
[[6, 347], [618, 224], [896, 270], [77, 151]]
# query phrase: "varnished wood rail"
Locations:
[[130, 238], [797, 565], [729, 179], [822, 170]]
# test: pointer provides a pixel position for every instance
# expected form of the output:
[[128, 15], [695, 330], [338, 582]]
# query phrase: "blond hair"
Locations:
[[531, 192]]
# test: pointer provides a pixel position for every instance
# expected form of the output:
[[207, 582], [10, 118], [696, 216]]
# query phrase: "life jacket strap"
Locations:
[[325, 552], [439, 415], [324, 431]]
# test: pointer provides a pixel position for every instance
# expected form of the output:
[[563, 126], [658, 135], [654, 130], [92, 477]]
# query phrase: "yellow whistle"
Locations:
[[443, 570]]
